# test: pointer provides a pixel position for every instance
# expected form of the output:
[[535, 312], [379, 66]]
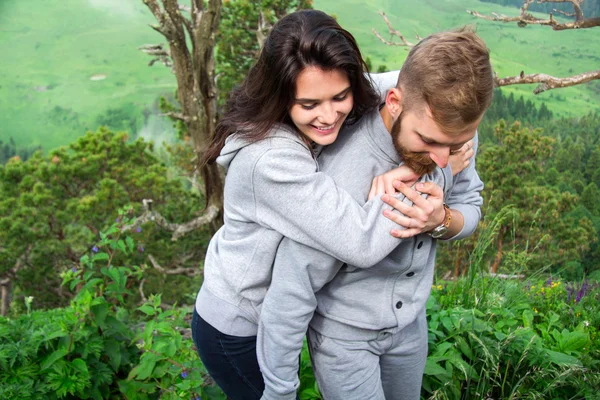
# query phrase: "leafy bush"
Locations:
[[95, 348], [488, 338], [80, 351]]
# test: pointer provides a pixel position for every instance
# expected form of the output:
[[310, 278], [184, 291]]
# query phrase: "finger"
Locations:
[[469, 153], [380, 186], [430, 188], [373, 190], [399, 219], [398, 205], [389, 188], [404, 234], [411, 194]]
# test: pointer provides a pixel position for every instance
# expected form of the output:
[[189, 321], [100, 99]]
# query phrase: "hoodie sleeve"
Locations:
[[384, 82], [298, 272], [293, 198]]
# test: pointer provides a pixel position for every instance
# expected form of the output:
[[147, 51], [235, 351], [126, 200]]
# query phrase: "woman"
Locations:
[[308, 82]]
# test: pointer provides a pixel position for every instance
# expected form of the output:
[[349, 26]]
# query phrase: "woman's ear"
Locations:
[[393, 102]]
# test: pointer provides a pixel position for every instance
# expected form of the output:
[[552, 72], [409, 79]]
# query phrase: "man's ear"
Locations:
[[393, 102]]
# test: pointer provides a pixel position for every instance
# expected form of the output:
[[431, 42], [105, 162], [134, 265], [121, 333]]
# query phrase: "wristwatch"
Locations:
[[441, 230]]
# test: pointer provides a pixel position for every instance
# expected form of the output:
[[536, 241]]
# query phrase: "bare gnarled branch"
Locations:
[[179, 230], [547, 82], [173, 271], [159, 53], [527, 18], [176, 115], [392, 32]]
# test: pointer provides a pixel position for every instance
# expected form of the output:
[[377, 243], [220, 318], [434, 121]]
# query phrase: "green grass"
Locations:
[[51, 49], [54, 47], [534, 49]]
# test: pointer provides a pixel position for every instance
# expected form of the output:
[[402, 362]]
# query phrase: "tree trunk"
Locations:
[[194, 68], [6, 286]]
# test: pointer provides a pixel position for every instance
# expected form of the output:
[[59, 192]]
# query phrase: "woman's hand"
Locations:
[[423, 215], [461, 159], [383, 184]]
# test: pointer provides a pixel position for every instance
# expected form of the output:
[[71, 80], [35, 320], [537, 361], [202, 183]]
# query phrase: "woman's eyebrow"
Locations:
[[317, 101]]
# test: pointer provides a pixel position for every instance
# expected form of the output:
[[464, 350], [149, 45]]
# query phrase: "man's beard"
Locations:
[[421, 163]]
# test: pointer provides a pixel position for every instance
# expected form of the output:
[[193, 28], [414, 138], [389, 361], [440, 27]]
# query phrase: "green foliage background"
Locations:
[[63, 211], [54, 48]]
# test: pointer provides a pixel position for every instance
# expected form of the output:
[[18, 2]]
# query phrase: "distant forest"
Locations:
[[9, 150]]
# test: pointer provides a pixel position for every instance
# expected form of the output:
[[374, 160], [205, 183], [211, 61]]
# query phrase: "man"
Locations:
[[368, 337]]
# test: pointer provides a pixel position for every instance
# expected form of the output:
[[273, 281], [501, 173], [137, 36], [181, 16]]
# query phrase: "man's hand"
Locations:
[[384, 183], [425, 213]]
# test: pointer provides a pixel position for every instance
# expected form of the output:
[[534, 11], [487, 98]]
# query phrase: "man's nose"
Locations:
[[440, 156]]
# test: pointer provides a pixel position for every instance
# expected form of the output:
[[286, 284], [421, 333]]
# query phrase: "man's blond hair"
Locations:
[[451, 73]]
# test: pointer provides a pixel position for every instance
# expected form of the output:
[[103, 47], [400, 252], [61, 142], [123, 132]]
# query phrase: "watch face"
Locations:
[[439, 232]]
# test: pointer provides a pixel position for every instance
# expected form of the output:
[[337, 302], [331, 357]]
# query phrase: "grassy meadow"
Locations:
[[67, 64]]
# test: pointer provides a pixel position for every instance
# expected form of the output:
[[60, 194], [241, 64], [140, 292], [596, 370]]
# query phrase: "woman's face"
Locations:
[[323, 101]]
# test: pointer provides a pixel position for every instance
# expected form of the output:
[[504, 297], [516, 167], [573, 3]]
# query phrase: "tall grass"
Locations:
[[492, 338]]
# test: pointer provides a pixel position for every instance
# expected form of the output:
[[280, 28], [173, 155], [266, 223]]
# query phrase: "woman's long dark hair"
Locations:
[[301, 39]]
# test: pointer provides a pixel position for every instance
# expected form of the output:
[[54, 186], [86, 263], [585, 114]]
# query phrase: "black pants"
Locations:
[[230, 360]]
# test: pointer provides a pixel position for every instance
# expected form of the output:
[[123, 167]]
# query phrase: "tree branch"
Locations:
[[527, 18], [155, 9], [262, 31], [177, 115], [547, 82], [178, 230], [20, 263], [392, 32], [141, 290], [159, 52], [173, 271]]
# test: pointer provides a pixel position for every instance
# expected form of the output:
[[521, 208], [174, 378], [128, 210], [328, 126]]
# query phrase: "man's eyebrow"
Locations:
[[435, 142], [343, 92], [427, 138]]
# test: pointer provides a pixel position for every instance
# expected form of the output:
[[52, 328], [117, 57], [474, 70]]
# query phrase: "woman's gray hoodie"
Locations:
[[274, 189]]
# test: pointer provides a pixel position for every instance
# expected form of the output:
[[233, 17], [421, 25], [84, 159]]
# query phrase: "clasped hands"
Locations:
[[424, 215], [427, 212]]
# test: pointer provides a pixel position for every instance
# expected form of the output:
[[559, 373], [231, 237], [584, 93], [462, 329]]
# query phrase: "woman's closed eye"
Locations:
[[308, 106]]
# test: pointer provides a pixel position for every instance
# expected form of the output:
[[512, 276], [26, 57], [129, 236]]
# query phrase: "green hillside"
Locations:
[[534, 49], [69, 65], [68, 62]]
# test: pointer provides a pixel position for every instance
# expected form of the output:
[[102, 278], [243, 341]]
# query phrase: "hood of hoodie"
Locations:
[[234, 143]]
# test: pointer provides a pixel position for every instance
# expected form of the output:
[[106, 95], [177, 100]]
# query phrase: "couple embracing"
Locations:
[[339, 184]]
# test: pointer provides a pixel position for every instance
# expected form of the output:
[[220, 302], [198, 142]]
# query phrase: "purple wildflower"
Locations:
[[549, 281], [95, 249], [198, 398], [184, 374], [570, 291], [74, 270], [139, 229], [582, 291]]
